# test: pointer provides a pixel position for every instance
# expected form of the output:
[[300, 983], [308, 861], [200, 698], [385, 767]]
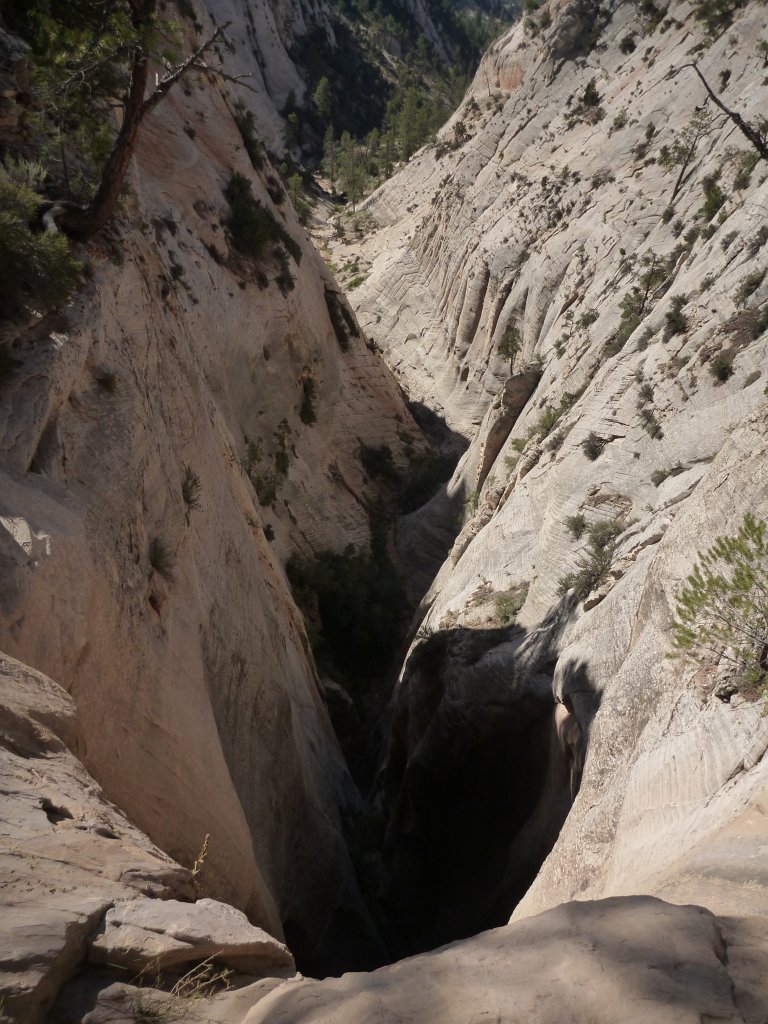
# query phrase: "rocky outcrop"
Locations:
[[625, 960], [555, 230], [66, 853], [152, 935], [606, 360], [158, 465]]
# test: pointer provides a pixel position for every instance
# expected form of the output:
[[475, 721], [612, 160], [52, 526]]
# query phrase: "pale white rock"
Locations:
[[544, 220], [147, 935], [199, 707]]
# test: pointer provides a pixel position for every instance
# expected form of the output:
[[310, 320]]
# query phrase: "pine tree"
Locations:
[[330, 155], [291, 131], [39, 271], [323, 98], [722, 610], [350, 168]]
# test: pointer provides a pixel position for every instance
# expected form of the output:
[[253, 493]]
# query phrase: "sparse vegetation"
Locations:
[[590, 97], [267, 482], [676, 320], [587, 318], [660, 475], [555, 443], [162, 559], [593, 445], [508, 605], [717, 15], [344, 326], [107, 381], [721, 368], [190, 491], [39, 271], [576, 525], [757, 243], [245, 124], [151, 1005], [510, 342], [748, 286], [252, 227], [307, 412], [547, 421], [650, 423], [714, 198], [746, 163], [594, 567], [628, 44]]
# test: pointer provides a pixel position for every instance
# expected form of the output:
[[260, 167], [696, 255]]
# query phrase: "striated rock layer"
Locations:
[[158, 464], [545, 248]]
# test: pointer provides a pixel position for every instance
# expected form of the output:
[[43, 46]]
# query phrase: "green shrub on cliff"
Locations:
[[722, 609], [252, 227], [594, 567], [39, 271]]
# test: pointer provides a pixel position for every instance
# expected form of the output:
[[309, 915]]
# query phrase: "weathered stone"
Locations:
[[59, 873], [544, 221], [625, 960], [152, 935]]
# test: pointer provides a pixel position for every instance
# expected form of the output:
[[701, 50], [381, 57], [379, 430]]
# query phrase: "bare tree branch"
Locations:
[[168, 81], [744, 126]]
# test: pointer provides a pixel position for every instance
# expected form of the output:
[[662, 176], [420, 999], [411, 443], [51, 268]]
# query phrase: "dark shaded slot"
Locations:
[[479, 774]]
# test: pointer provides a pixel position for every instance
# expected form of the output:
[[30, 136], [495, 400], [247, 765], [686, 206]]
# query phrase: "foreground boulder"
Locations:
[[152, 935], [615, 961], [66, 853], [623, 960]]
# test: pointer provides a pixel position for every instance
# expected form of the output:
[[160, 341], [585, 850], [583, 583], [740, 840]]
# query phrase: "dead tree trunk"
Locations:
[[746, 129], [83, 222]]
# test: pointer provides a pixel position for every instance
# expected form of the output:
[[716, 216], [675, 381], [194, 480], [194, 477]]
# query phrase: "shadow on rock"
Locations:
[[481, 769]]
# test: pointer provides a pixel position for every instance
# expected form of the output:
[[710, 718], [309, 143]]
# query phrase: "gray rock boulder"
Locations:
[[152, 935]]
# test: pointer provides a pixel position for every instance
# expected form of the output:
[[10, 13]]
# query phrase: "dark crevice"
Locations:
[[480, 769], [470, 761]]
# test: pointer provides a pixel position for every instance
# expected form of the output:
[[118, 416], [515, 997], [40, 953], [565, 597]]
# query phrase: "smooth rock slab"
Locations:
[[152, 934], [623, 960]]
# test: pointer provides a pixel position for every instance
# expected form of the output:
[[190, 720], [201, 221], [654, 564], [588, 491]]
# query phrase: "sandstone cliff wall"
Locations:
[[170, 621], [542, 218]]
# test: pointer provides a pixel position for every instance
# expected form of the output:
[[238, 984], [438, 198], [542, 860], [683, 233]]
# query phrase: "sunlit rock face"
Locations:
[[553, 228], [158, 465], [592, 322]]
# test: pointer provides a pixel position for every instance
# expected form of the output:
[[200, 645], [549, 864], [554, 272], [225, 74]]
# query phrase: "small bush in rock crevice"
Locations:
[[593, 568], [162, 559], [593, 445], [721, 368], [252, 227]]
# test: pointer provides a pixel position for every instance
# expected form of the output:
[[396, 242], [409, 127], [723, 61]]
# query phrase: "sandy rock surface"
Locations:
[[66, 853], [616, 961], [165, 612], [143, 935], [536, 229]]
